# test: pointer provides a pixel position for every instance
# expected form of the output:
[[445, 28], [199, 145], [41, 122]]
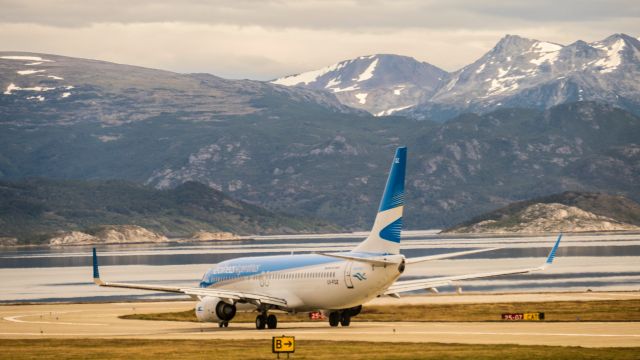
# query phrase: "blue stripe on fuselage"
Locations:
[[249, 266]]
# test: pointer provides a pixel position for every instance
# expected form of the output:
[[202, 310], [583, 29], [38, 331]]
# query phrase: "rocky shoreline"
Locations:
[[126, 234], [547, 218]]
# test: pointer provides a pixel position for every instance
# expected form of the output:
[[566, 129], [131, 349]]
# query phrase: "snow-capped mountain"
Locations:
[[517, 72], [380, 84], [520, 72]]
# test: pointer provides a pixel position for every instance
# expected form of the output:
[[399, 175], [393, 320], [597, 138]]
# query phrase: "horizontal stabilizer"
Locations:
[[378, 260]]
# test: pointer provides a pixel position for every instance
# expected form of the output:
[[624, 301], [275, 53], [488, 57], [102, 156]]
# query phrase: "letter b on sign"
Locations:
[[283, 344]]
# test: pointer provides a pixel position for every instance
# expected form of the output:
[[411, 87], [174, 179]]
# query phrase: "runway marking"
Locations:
[[143, 304], [404, 331], [84, 335], [328, 332], [477, 333], [16, 319]]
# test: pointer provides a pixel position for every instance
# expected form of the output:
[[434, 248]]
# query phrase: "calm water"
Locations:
[[597, 262]]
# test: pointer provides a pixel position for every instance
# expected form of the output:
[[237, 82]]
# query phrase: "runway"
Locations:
[[95, 320]]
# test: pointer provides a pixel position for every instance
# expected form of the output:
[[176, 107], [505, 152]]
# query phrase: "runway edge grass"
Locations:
[[305, 349]]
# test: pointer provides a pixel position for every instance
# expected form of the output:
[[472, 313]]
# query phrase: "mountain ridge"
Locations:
[[516, 72], [520, 72]]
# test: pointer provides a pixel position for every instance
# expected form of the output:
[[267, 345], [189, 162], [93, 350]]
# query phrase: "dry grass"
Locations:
[[305, 349], [610, 310]]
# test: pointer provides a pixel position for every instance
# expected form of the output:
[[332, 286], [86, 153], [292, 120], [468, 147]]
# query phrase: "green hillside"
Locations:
[[31, 210]]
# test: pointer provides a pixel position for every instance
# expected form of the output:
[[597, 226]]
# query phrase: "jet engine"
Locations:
[[213, 309]]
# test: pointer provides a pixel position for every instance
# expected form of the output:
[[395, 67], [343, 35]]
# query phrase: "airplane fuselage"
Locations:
[[307, 282]]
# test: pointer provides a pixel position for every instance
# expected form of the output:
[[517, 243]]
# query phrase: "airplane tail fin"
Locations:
[[385, 234]]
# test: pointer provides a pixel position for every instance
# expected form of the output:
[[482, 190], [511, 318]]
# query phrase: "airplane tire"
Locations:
[[272, 321], [345, 320], [334, 318], [261, 322]]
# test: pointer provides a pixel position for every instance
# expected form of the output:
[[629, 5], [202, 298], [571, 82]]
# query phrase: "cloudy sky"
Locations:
[[265, 39]]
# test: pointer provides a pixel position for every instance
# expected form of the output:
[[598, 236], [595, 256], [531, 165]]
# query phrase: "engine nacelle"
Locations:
[[213, 309]]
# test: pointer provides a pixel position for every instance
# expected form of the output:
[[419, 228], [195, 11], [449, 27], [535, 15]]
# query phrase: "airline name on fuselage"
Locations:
[[236, 269]]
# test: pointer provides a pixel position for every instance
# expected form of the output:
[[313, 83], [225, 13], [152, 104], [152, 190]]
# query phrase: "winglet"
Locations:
[[96, 273], [552, 253]]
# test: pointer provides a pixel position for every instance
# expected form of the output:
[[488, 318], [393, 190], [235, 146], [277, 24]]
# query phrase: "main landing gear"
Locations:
[[339, 317], [343, 317], [266, 321]]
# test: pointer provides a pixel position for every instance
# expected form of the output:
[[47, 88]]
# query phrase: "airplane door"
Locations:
[[347, 275]]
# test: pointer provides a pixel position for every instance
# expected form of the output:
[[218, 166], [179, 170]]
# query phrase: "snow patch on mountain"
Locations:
[[362, 98], [398, 90], [391, 111], [332, 83], [12, 87], [613, 57], [29, 72], [348, 88], [308, 77], [548, 52], [26, 58], [368, 73]]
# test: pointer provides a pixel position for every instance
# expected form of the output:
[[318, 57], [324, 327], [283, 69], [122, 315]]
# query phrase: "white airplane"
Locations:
[[335, 284]]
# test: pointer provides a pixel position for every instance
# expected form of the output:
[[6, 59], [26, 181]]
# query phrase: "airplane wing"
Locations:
[[382, 261], [431, 283], [446, 256], [230, 295]]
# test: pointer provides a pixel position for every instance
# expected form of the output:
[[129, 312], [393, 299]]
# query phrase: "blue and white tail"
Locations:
[[385, 234]]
